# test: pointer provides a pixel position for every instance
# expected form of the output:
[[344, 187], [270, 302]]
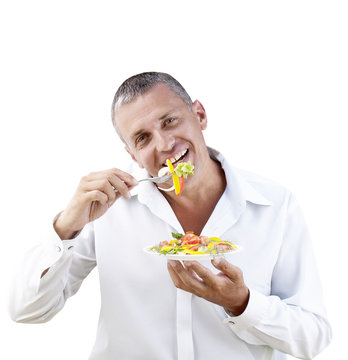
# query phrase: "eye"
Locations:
[[169, 121], [140, 139]]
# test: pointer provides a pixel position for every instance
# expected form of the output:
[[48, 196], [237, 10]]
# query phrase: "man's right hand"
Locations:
[[94, 195]]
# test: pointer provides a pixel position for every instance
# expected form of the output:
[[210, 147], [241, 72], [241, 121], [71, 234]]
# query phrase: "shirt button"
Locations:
[[58, 248]]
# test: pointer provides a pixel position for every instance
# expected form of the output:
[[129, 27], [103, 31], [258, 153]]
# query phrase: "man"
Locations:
[[263, 299]]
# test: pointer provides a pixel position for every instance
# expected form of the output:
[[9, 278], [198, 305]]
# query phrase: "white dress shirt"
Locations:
[[143, 315]]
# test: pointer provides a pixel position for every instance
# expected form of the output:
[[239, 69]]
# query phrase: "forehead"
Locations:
[[147, 109]]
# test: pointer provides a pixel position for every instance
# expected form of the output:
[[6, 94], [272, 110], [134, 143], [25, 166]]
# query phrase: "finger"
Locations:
[[205, 274], [96, 195], [232, 271], [126, 177], [190, 282], [122, 182], [192, 273], [108, 182], [121, 188], [102, 185], [111, 174], [175, 277]]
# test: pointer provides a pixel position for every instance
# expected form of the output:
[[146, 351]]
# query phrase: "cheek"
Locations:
[[140, 162], [143, 159]]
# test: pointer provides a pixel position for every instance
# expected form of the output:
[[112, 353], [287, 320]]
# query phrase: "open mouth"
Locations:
[[178, 157]]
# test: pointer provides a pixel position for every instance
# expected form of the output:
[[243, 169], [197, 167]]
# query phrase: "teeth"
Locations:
[[178, 156]]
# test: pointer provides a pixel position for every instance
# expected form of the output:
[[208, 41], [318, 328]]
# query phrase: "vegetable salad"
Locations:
[[191, 244]]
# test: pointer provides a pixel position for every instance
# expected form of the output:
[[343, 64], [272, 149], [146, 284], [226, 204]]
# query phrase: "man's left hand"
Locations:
[[226, 288]]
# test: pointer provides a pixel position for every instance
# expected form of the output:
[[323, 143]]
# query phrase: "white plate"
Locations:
[[192, 257]]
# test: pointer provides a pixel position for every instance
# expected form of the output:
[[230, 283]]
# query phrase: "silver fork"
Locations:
[[157, 180]]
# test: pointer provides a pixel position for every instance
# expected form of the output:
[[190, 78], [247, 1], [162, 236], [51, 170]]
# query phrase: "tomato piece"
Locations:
[[188, 235], [188, 239], [196, 239], [193, 242], [204, 240], [194, 248], [181, 182], [224, 247]]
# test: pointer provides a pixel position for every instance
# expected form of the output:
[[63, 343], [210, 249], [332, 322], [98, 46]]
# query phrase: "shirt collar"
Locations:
[[237, 184]]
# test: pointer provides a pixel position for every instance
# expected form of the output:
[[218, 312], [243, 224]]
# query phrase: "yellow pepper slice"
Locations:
[[192, 252], [210, 246], [174, 176], [216, 239]]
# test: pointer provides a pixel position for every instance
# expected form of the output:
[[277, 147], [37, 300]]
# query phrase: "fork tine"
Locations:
[[162, 179]]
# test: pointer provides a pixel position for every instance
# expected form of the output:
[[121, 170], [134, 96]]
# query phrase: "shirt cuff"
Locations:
[[56, 246], [255, 311], [54, 250]]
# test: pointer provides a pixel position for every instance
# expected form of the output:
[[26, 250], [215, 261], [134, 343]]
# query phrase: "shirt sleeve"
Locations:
[[35, 298], [292, 319]]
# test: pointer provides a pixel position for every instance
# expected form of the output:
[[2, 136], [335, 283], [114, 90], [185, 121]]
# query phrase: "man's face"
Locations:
[[159, 125]]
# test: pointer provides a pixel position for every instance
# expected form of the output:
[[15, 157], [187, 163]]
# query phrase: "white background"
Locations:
[[272, 76]]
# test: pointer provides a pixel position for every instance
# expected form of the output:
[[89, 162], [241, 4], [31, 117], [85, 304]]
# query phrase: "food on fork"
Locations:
[[181, 171]]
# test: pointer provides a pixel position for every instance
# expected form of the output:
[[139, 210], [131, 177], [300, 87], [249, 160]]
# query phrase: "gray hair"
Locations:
[[139, 84]]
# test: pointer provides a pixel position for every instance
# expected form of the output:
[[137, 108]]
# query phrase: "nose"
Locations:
[[164, 142]]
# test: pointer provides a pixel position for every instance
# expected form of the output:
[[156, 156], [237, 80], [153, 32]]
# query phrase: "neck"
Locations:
[[206, 188], [195, 205]]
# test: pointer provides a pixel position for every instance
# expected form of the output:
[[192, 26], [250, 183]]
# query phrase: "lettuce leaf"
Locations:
[[184, 169]]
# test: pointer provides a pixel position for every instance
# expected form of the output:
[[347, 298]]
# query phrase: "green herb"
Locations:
[[155, 248], [169, 251], [177, 235]]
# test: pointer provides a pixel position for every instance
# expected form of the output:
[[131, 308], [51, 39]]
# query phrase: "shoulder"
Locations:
[[276, 193], [254, 186]]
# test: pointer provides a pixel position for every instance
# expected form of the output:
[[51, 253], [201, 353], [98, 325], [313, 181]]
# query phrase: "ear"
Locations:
[[133, 157], [199, 111]]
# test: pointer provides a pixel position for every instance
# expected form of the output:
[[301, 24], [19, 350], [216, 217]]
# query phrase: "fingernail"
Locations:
[[217, 261], [128, 195], [187, 263]]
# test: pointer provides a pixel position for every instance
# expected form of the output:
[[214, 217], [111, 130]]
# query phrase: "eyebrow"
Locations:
[[138, 132], [134, 135], [166, 115]]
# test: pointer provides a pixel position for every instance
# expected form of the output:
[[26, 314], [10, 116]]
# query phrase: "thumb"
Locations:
[[232, 271]]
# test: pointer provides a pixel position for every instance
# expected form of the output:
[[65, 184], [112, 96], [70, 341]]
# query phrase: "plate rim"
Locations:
[[194, 256]]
